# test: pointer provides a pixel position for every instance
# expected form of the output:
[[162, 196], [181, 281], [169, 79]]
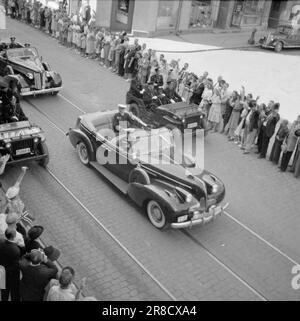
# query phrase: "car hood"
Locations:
[[28, 64]]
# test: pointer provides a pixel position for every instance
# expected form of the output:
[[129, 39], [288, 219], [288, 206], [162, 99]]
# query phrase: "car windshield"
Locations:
[[28, 55], [285, 30]]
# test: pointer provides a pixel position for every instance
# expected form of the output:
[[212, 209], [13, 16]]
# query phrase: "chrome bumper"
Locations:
[[41, 91], [213, 212]]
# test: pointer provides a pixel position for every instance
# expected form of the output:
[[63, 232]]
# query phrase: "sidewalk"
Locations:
[[219, 38]]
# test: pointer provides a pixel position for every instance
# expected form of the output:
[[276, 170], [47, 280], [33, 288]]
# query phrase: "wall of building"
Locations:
[[286, 9], [103, 13]]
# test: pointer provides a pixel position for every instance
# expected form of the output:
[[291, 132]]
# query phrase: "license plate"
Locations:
[[25, 90], [22, 151], [192, 125]]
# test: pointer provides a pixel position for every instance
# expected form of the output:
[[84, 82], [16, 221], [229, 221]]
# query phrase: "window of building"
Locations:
[[201, 14], [167, 14], [247, 12], [122, 11]]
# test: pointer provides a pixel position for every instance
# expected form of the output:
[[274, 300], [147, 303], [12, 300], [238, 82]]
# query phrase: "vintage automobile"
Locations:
[[286, 36], [35, 76], [24, 142], [173, 193], [176, 115]]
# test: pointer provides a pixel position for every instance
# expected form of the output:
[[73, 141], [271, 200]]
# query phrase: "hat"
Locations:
[[12, 192], [12, 218], [52, 253], [122, 106], [35, 232]]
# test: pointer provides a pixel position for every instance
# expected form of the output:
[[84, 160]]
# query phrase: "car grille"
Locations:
[[21, 144], [37, 80]]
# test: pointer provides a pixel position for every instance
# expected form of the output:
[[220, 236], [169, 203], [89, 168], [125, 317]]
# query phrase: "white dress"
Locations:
[[215, 110]]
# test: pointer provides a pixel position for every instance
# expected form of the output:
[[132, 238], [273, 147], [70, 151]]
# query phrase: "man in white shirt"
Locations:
[[10, 221]]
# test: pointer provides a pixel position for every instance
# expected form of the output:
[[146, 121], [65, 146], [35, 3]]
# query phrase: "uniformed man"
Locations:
[[162, 98], [149, 94], [136, 88], [157, 78], [171, 93], [122, 117]]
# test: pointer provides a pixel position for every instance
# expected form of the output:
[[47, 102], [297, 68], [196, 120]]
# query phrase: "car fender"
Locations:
[[76, 135], [56, 78], [140, 194]]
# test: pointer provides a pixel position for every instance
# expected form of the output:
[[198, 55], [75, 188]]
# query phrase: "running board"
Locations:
[[114, 179]]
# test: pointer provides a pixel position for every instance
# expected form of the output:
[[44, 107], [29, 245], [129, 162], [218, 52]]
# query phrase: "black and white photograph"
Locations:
[[149, 153]]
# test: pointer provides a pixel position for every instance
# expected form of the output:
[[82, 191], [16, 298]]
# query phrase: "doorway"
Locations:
[[275, 11], [122, 15]]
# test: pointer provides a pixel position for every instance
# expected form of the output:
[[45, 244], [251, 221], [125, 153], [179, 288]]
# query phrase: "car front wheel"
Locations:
[[156, 215], [83, 153], [278, 47]]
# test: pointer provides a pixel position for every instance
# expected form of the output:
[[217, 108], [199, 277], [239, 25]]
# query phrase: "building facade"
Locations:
[[155, 17]]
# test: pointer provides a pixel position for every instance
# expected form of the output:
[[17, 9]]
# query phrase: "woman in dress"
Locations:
[[214, 117], [235, 102], [207, 94], [90, 42], [143, 68], [282, 133]]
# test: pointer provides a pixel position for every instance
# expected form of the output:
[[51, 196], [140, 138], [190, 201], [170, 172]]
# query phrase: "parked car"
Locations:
[[175, 194], [177, 115], [286, 36], [34, 76], [24, 142]]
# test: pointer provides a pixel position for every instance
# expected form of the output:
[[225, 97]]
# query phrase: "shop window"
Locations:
[[167, 14], [201, 14]]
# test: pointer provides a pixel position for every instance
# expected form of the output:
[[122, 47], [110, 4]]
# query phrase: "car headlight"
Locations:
[[183, 120], [8, 145], [188, 198], [29, 75], [214, 188], [182, 218], [48, 74], [36, 140]]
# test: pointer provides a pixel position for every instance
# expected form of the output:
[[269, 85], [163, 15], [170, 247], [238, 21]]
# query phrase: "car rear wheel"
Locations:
[[83, 153], [134, 108], [278, 46], [156, 215]]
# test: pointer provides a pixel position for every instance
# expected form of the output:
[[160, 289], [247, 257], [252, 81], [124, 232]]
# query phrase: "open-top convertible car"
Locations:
[[286, 36], [145, 165], [177, 115], [24, 142], [34, 76]]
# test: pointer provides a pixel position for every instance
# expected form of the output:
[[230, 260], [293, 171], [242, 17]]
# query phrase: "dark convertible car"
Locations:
[[174, 193], [34, 76], [176, 115]]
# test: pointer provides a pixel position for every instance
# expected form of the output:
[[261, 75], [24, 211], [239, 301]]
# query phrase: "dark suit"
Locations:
[[267, 132], [172, 94], [9, 258], [135, 88], [197, 95], [157, 79], [35, 279]]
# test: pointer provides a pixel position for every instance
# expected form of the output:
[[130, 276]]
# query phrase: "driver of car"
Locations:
[[122, 118]]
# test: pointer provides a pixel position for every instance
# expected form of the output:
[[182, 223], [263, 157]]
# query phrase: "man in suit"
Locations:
[[157, 78], [268, 129], [9, 259], [37, 271], [171, 93], [291, 143], [197, 94], [251, 125]]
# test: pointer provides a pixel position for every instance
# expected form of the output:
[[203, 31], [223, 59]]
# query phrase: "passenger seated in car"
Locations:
[[171, 93], [149, 94], [136, 88], [162, 98], [157, 78], [11, 109], [13, 43], [122, 116]]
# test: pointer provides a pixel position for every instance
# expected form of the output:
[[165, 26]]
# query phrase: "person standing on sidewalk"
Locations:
[[268, 129], [290, 145], [281, 135], [252, 122], [296, 164]]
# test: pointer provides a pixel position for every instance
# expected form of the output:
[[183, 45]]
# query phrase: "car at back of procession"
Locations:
[[286, 36], [33, 75], [169, 185]]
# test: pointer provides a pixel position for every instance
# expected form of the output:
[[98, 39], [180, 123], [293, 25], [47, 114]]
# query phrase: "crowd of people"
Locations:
[[27, 269]]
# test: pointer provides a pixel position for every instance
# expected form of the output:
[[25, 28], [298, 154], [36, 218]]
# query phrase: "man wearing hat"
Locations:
[[13, 43], [122, 118], [150, 95], [157, 78], [32, 235], [171, 93]]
